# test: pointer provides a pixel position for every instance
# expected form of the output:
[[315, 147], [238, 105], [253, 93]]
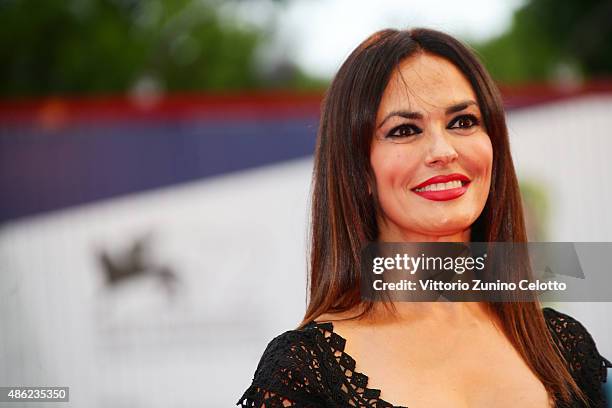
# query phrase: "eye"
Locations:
[[402, 131], [464, 122]]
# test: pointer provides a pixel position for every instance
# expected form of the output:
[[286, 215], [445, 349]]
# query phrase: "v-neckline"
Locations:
[[338, 343]]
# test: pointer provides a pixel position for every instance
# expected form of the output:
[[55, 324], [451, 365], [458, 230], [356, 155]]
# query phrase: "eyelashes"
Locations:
[[461, 122], [471, 120]]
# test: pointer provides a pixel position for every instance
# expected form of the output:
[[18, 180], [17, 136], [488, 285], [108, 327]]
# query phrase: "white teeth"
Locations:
[[441, 186]]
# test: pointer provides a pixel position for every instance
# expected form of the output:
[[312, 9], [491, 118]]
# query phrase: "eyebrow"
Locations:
[[417, 115]]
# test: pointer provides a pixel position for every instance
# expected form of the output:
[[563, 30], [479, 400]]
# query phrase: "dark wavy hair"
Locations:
[[343, 218]]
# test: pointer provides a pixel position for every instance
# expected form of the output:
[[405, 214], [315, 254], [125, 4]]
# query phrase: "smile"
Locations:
[[443, 188]]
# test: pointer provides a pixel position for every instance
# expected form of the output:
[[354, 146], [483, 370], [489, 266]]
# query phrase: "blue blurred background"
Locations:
[[155, 163]]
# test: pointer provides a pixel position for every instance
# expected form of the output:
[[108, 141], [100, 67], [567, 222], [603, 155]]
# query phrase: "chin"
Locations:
[[452, 230], [450, 225]]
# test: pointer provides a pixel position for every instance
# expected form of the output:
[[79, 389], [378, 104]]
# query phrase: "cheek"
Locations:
[[478, 156], [393, 164]]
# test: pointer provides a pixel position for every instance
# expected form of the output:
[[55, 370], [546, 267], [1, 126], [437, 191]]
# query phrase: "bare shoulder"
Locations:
[[346, 321], [337, 317]]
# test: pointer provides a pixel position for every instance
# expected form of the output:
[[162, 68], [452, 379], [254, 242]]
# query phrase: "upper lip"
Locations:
[[443, 179]]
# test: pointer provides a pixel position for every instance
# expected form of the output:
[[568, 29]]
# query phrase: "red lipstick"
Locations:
[[443, 193]]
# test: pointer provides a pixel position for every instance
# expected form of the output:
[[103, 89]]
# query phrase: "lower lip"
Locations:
[[443, 195]]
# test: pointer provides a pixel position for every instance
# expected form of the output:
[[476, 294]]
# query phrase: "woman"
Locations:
[[410, 109]]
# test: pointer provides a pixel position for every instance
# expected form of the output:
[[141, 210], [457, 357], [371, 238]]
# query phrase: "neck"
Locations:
[[398, 235], [455, 314], [441, 310]]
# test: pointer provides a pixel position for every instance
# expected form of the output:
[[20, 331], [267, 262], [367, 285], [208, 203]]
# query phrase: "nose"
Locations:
[[440, 151]]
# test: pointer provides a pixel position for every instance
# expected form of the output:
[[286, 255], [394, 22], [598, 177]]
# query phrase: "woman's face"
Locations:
[[430, 153]]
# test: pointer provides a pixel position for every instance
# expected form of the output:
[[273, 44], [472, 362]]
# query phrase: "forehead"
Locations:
[[425, 83]]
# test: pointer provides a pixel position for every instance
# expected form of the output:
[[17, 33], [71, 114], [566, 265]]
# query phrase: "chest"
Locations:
[[465, 368]]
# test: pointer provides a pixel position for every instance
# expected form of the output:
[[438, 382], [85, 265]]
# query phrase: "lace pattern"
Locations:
[[586, 365], [354, 389], [309, 368]]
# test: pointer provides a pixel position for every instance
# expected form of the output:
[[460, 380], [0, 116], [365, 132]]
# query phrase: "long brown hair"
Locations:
[[344, 212]]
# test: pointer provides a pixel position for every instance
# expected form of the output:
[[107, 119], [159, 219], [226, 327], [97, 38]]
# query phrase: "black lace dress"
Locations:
[[309, 368]]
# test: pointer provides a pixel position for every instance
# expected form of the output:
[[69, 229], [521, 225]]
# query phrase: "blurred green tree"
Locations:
[[109, 46], [551, 39]]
